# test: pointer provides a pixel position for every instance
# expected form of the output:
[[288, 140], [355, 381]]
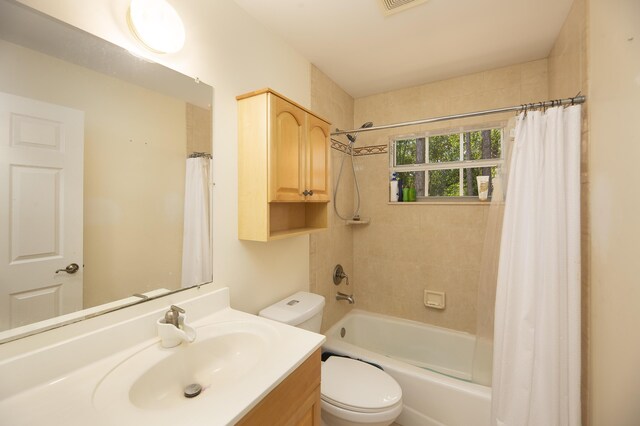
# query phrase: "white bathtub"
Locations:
[[433, 366]]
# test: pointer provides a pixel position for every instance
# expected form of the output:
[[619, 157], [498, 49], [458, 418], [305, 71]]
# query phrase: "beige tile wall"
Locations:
[[409, 248], [568, 76], [335, 245]]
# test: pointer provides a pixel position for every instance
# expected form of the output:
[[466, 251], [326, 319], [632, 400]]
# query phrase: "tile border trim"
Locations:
[[371, 150], [339, 146], [364, 150]]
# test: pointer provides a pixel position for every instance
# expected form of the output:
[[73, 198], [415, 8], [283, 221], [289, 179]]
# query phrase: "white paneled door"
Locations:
[[41, 163]]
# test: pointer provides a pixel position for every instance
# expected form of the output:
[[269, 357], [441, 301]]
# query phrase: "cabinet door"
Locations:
[[294, 402], [318, 168], [286, 151]]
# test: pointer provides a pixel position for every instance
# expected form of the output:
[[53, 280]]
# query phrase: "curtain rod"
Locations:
[[578, 99]]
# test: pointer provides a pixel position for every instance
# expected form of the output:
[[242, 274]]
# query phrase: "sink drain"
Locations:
[[192, 390]]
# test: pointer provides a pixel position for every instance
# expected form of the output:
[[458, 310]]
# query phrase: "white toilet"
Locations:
[[353, 392]]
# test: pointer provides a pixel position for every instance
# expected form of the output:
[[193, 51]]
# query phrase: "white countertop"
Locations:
[[68, 398]]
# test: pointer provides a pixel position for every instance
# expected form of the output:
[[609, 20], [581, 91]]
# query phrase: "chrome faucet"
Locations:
[[347, 297], [172, 316], [173, 330]]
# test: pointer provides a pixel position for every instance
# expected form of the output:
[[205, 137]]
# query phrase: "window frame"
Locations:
[[460, 165]]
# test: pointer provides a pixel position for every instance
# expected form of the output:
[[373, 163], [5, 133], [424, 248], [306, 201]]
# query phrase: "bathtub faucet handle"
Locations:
[[339, 275]]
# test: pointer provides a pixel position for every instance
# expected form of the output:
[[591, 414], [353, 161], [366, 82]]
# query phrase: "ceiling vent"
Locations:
[[389, 7]]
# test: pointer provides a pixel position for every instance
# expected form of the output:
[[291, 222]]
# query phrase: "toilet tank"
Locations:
[[303, 310]]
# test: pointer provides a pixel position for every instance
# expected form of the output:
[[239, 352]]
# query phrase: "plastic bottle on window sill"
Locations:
[[405, 194], [412, 193], [393, 188]]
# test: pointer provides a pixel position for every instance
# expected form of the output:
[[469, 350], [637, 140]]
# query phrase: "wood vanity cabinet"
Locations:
[[283, 168], [295, 401]]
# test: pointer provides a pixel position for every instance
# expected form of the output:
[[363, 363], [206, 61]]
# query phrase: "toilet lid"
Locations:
[[357, 385]]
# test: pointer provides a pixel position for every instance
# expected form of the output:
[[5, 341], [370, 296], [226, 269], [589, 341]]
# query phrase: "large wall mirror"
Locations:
[[93, 156]]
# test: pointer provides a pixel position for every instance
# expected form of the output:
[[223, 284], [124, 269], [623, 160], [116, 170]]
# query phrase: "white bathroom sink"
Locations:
[[223, 357], [117, 373]]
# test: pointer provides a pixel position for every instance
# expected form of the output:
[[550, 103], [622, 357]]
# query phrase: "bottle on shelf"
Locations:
[[393, 188]]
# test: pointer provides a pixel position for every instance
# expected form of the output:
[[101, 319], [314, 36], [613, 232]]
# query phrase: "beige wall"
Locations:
[[199, 129], [409, 248], [133, 172], [614, 106], [229, 50], [568, 75], [334, 246]]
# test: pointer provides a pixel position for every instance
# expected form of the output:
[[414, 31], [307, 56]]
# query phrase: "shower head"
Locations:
[[352, 138]]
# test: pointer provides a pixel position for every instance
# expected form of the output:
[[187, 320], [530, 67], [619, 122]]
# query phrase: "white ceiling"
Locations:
[[365, 52]]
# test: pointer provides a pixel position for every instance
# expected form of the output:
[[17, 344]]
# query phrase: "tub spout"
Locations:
[[347, 297]]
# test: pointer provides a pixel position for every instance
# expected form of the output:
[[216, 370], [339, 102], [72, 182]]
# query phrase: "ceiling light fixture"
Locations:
[[157, 25]]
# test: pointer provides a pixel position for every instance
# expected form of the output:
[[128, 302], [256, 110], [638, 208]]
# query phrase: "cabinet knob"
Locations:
[[307, 192]]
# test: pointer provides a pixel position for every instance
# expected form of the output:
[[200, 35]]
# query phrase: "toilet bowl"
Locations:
[[356, 393], [352, 392]]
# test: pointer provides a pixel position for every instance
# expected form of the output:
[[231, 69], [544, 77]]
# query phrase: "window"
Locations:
[[447, 164]]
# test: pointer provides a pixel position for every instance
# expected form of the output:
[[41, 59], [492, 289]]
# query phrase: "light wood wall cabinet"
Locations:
[[295, 401], [283, 168]]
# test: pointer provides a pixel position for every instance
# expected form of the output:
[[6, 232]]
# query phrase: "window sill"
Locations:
[[466, 201]]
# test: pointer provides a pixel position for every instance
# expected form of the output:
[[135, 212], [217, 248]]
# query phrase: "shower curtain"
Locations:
[[196, 240], [536, 359], [485, 310]]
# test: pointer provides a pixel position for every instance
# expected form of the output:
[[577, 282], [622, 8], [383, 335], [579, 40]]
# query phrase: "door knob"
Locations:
[[71, 269]]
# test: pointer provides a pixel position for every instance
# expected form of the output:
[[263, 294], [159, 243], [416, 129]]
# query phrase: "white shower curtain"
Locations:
[[536, 358], [196, 240], [486, 301]]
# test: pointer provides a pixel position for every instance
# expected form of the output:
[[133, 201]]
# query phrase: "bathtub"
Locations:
[[433, 366]]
